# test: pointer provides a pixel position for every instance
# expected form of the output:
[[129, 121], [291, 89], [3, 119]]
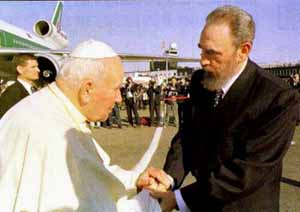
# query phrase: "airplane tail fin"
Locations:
[[57, 15]]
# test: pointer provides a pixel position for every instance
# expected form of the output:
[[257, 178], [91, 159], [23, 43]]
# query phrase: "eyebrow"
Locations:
[[211, 50]]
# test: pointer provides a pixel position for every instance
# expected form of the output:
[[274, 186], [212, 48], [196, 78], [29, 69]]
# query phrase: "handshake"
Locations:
[[159, 185]]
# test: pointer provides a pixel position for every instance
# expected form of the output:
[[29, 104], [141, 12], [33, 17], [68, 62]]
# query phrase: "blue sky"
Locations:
[[143, 26]]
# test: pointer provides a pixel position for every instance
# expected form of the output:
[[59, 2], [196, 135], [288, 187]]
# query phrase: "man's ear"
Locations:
[[244, 50], [19, 70], [85, 92]]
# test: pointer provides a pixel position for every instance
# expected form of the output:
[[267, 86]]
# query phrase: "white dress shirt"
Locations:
[[179, 200], [50, 162]]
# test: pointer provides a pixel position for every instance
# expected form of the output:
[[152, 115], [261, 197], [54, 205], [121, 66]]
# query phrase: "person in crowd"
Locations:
[[145, 97], [294, 81], [154, 94], [163, 107], [27, 73], [237, 127], [114, 115], [49, 160], [106, 123], [130, 102], [171, 102], [183, 95], [139, 97]]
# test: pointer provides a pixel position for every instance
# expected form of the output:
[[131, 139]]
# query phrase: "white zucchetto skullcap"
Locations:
[[93, 49]]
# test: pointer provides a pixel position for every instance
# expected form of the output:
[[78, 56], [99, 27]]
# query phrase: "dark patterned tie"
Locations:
[[33, 89], [218, 97]]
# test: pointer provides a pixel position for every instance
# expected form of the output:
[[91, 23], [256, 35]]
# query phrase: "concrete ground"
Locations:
[[126, 146]]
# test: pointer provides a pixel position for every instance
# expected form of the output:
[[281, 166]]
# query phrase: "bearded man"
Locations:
[[237, 127]]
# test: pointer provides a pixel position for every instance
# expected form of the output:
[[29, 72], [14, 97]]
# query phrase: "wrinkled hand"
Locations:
[[154, 179]]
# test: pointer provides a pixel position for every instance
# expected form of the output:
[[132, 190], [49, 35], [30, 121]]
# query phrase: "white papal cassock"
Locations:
[[50, 162]]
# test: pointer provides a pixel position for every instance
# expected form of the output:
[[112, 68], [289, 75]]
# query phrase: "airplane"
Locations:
[[48, 44]]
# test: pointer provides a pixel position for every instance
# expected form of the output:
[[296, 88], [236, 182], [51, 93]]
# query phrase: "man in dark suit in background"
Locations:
[[27, 72], [154, 94], [233, 143], [130, 102], [183, 95]]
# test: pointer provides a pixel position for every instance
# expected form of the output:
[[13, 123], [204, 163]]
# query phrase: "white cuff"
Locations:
[[180, 202]]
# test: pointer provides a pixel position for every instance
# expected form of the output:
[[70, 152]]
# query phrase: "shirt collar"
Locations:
[[26, 85], [230, 82], [71, 109]]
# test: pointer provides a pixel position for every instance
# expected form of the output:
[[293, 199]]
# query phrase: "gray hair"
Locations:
[[240, 22], [74, 70]]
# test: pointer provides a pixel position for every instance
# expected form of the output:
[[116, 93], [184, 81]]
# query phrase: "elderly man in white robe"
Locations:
[[48, 158]]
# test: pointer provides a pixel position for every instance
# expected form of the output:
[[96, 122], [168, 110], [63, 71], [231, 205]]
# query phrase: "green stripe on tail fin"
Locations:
[[57, 15]]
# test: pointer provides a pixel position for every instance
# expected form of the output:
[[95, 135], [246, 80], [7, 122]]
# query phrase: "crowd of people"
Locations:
[[163, 99]]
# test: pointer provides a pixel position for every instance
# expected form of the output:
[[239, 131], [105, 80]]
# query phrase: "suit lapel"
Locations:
[[23, 91], [238, 92]]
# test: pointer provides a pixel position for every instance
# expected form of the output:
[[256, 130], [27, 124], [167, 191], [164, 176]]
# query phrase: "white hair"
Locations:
[[74, 70]]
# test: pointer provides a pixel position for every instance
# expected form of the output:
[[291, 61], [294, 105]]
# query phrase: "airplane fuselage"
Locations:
[[14, 37], [10, 40]]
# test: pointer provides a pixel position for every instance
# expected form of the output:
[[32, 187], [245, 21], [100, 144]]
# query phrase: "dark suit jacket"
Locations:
[[11, 96], [235, 150], [154, 95]]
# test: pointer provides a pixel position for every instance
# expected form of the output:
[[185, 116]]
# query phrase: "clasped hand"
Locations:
[[157, 182]]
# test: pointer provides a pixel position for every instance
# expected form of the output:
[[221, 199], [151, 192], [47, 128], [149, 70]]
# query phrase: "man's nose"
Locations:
[[204, 61]]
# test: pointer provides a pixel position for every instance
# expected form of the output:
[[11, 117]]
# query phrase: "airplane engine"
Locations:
[[49, 32], [48, 66]]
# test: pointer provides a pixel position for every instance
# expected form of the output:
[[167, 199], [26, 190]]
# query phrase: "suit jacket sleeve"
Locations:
[[175, 165], [7, 102], [10, 97], [265, 142]]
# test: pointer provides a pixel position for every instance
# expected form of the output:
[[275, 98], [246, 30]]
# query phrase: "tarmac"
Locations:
[[127, 145]]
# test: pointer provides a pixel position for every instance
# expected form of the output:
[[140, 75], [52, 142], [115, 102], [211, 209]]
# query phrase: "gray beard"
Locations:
[[211, 83]]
